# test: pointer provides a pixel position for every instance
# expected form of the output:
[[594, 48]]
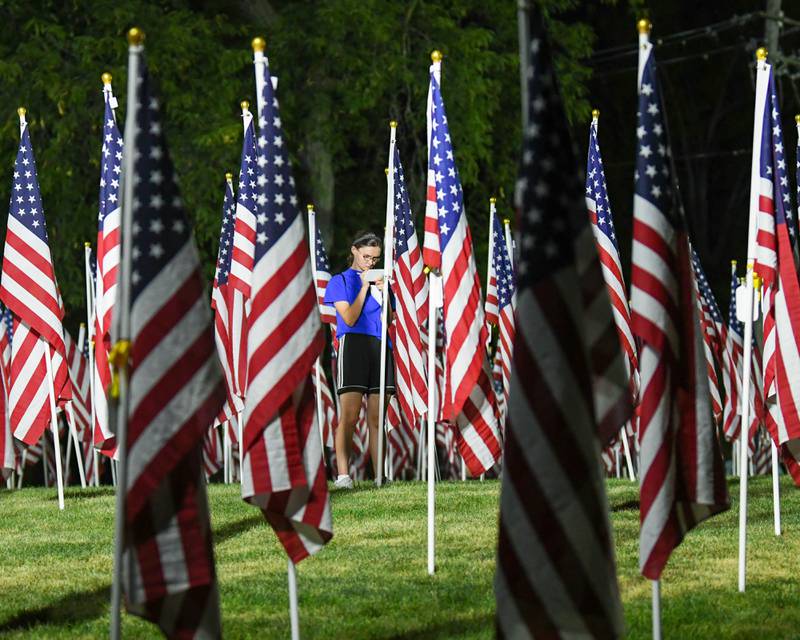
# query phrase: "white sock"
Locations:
[[346, 475]]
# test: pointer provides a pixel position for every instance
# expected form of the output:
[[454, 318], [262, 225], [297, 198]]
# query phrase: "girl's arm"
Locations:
[[351, 312]]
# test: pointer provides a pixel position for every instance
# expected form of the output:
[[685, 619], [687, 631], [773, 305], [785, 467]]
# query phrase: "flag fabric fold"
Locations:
[[682, 477], [283, 472], [556, 573], [175, 390]]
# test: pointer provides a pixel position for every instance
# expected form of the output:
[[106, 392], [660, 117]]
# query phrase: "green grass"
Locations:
[[371, 580]]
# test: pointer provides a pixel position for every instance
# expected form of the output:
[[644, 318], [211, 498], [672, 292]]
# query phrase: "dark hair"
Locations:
[[364, 239]]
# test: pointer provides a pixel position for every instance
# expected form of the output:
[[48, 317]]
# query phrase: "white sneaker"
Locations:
[[343, 482]]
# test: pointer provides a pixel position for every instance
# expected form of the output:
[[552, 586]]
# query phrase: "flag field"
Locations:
[[371, 581]]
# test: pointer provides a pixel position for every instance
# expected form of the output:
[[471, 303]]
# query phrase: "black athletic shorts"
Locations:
[[359, 364]]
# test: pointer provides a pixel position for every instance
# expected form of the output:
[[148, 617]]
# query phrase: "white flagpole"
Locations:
[[312, 246], [388, 266], [294, 614], [87, 253], [762, 79], [54, 422], [122, 327], [656, 609], [776, 489], [435, 300]]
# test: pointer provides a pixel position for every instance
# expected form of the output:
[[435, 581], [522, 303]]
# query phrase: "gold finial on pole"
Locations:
[[244, 104], [21, 112], [386, 171], [259, 44], [595, 114], [733, 263], [644, 25], [310, 207], [426, 270], [492, 200], [228, 177], [87, 244], [436, 56], [83, 325], [393, 124], [135, 36], [761, 53], [756, 281], [106, 78], [506, 221], [797, 118]]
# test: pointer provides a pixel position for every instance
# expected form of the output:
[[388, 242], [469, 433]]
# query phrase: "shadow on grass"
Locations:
[[76, 493], [73, 607], [448, 629], [233, 529], [628, 505]]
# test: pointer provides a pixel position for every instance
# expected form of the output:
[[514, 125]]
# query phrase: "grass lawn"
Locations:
[[371, 581]]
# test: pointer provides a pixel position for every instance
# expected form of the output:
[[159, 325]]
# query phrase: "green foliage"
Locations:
[[346, 67]]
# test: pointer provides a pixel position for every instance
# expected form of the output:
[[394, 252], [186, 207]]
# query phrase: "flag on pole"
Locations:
[[329, 418], [490, 309], [555, 562], [682, 477], [431, 246], [775, 263], [713, 330], [408, 285], [176, 389], [470, 397], [283, 472], [29, 290], [213, 455], [608, 248], [108, 253], [322, 268], [222, 303], [732, 366], [506, 304], [78, 364]]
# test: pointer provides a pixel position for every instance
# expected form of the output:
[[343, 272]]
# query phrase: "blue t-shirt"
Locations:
[[345, 287]]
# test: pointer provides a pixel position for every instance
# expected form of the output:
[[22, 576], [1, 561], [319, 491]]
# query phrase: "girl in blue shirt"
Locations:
[[358, 329]]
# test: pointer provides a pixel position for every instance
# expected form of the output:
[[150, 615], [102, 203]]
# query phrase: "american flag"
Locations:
[[555, 562], [403, 435], [321, 267], [79, 374], [108, 252], [507, 304], [249, 202], [222, 303], [713, 329], [605, 236], [176, 389], [470, 401], [775, 263], [329, 418], [408, 285], [682, 477], [732, 366], [283, 472], [431, 246], [29, 290], [213, 455], [490, 309]]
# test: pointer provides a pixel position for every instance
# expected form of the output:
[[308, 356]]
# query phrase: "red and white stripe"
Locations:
[[682, 480], [403, 437], [431, 250], [212, 452], [283, 472], [321, 276], [490, 305], [7, 449]]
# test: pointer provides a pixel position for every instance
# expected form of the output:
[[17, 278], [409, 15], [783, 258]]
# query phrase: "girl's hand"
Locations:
[[364, 282], [379, 283]]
